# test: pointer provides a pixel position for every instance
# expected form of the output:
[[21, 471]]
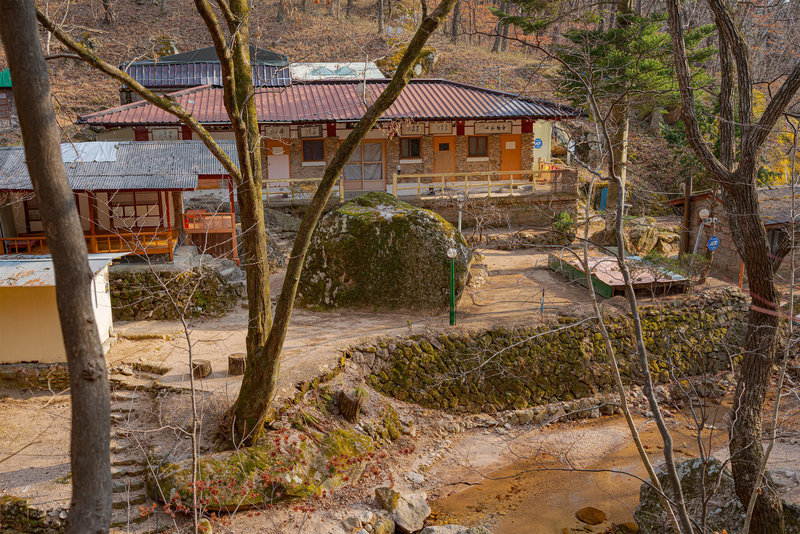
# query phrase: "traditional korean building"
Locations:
[[437, 131], [194, 68], [129, 197]]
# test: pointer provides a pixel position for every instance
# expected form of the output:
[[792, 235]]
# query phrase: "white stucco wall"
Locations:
[[30, 330]]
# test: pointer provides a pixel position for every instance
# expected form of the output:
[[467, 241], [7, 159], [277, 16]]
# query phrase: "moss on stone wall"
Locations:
[[504, 368], [149, 294], [17, 517]]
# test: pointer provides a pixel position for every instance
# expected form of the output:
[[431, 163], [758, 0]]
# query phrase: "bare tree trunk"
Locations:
[[90, 507], [349, 8], [455, 21], [260, 380], [163, 7], [381, 30], [498, 32], [110, 16], [740, 198]]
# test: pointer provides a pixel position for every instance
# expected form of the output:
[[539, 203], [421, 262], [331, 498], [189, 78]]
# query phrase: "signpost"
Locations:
[[537, 143], [713, 243], [451, 253]]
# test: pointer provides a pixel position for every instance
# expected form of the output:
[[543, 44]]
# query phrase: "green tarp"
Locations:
[[5, 79]]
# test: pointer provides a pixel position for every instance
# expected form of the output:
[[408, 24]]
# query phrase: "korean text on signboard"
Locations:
[[413, 128], [492, 127], [314, 130]]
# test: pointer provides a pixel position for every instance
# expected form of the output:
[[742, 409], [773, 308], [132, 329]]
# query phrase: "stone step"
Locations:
[[121, 395], [132, 484], [139, 524], [130, 499], [128, 471], [126, 460]]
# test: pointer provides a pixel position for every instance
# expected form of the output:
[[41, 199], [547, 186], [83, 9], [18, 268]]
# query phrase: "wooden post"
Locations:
[[341, 188], [236, 363], [489, 188], [350, 405], [201, 368], [512, 184], [394, 185], [419, 187]]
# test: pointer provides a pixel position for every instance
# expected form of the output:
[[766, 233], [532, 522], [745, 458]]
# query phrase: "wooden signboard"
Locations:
[[313, 130], [414, 128], [441, 128], [492, 128], [277, 132]]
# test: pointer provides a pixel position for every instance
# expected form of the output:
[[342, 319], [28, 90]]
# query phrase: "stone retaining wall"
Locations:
[[146, 294], [17, 517], [504, 368], [35, 375]]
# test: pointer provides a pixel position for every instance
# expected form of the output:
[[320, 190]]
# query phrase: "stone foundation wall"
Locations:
[[17, 517], [146, 294], [35, 375], [504, 368]]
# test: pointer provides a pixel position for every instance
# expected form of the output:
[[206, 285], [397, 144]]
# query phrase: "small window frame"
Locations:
[[321, 142], [406, 146], [477, 146]]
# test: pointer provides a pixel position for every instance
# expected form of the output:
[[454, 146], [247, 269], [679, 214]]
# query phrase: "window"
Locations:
[[477, 146], [409, 147], [135, 209], [32, 207], [313, 150]]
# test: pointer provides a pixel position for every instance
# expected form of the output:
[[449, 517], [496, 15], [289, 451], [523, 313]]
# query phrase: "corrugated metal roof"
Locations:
[[38, 271], [139, 165], [172, 75], [258, 56], [342, 100]]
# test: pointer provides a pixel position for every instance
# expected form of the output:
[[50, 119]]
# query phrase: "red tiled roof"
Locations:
[[342, 100]]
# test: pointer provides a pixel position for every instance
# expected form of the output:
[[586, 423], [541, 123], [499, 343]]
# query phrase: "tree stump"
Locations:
[[236, 363], [201, 368], [350, 404]]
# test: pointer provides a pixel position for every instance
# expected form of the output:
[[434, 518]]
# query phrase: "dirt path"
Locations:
[[513, 293]]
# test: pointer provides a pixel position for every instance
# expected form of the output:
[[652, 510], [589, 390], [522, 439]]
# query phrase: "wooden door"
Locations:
[[511, 155], [444, 154], [278, 165]]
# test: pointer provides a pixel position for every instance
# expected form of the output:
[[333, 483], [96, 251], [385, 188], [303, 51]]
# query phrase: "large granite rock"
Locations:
[[379, 252], [408, 510], [724, 511]]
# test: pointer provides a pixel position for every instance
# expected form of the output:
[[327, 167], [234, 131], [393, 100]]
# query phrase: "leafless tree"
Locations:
[[90, 507], [737, 178]]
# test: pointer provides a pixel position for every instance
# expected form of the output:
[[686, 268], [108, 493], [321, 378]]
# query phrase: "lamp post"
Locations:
[[451, 253]]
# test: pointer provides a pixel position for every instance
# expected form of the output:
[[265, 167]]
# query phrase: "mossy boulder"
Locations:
[[285, 466], [379, 252]]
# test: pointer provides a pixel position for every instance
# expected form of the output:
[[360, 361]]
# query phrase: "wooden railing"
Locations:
[[297, 188], [23, 245], [145, 241], [202, 222], [552, 178]]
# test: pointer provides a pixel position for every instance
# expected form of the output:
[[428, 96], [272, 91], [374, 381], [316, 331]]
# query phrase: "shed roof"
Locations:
[[327, 71], [131, 165], [343, 100], [181, 75], [38, 271], [258, 56]]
